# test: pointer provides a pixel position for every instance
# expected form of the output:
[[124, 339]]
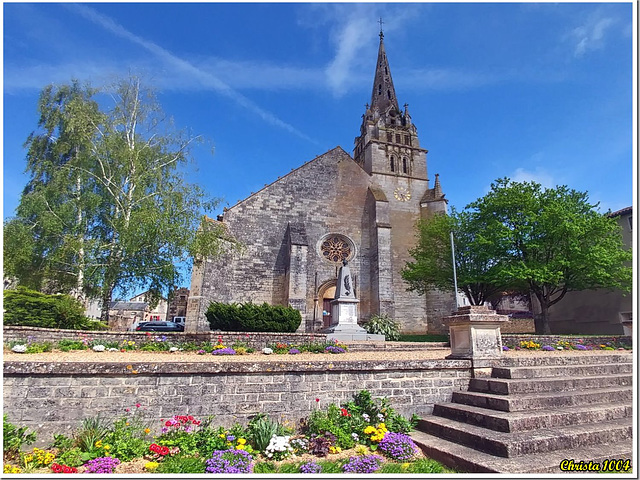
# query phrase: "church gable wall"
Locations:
[[326, 195]]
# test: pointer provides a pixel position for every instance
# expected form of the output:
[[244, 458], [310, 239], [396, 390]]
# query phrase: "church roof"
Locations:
[[383, 94]]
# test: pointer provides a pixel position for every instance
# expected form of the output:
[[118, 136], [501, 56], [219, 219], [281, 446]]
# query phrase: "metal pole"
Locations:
[[455, 279]]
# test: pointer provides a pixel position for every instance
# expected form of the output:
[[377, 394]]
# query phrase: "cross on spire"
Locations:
[[381, 22]]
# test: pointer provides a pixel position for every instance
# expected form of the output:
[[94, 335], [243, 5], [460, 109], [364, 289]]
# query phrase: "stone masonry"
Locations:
[[297, 230], [55, 397]]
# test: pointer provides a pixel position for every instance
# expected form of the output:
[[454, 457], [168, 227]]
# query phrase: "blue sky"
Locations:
[[530, 91]]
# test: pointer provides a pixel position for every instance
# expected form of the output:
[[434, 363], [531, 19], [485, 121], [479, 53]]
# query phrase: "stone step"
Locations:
[[509, 386], [515, 444], [544, 400], [524, 420], [581, 358], [562, 370], [467, 460]]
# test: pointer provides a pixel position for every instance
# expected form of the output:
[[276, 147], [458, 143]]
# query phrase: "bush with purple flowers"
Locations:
[[101, 465], [334, 349], [310, 467], [294, 351], [229, 461], [363, 464], [224, 351], [398, 446], [547, 348]]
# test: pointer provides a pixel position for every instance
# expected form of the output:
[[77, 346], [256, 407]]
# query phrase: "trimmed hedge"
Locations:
[[248, 317], [29, 308]]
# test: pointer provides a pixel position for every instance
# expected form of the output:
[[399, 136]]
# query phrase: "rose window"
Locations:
[[336, 249]]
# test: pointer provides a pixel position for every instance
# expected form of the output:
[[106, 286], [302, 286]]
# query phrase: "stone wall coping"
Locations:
[[15, 368]]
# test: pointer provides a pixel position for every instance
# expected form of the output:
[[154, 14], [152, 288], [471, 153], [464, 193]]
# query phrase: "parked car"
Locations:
[[179, 320], [160, 327]]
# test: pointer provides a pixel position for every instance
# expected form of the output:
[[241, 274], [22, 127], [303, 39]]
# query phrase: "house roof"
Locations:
[[623, 211], [138, 306]]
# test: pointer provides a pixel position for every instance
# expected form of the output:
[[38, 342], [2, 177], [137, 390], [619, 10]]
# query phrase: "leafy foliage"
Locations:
[[34, 309], [181, 464], [13, 438], [107, 205], [248, 317], [383, 325]]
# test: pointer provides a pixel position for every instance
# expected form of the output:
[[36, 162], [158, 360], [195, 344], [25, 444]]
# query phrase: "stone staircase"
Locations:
[[535, 412]]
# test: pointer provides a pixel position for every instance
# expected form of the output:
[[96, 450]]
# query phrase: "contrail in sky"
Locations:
[[205, 78]]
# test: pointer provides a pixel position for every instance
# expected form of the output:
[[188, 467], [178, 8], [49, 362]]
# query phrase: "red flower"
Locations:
[[122, 350], [138, 405], [317, 399], [167, 423], [345, 413], [55, 468]]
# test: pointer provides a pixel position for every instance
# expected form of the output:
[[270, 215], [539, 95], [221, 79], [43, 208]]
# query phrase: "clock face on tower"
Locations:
[[402, 193]]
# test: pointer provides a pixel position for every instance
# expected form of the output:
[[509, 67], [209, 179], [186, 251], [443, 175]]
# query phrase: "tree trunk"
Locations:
[[541, 320]]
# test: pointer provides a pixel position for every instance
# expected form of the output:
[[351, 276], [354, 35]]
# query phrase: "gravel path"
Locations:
[[137, 356]]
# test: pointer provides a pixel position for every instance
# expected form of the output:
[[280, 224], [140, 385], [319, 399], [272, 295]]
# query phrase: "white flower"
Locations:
[[112, 349], [559, 348], [380, 417], [365, 416], [19, 348], [98, 348], [354, 435], [267, 351], [173, 349]]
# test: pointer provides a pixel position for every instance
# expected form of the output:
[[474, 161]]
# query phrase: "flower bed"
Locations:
[[559, 345], [364, 435]]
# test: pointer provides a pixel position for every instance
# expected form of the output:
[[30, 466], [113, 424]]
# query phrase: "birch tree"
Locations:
[[139, 221]]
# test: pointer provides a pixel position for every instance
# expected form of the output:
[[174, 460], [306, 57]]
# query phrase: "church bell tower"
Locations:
[[388, 141]]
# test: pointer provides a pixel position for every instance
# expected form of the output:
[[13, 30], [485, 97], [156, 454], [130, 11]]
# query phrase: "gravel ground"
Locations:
[[137, 356]]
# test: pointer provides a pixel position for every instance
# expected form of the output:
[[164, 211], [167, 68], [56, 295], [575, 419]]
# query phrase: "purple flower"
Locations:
[[224, 351], [230, 438], [101, 465], [398, 446], [581, 347], [364, 464], [548, 348], [229, 461], [505, 348], [294, 351], [310, 467], [334, 349]]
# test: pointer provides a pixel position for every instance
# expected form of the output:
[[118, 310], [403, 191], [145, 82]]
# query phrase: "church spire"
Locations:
[[383, 94]]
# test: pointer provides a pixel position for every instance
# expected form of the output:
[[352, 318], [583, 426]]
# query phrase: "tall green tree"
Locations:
[[477, 270], [107, 205], [552, 241]]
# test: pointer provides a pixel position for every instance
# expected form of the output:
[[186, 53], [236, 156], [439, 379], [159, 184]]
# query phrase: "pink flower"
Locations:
[[138, 405], [127, 409], [317, 399]]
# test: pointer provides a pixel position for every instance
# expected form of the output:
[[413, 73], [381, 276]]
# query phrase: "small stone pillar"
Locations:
[[344, 312], [474, 334]]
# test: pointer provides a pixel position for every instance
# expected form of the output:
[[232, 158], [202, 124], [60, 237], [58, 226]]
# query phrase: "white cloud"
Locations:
[[591, 35], [539, 175], [206, 79]]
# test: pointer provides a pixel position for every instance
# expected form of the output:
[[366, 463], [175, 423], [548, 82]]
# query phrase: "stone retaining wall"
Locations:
[[54, 397], [255, 340]]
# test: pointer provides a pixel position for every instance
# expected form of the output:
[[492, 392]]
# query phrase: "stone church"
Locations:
[[297, 230]]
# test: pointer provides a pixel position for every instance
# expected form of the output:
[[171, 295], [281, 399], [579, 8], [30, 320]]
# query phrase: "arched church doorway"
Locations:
[[326, 293]]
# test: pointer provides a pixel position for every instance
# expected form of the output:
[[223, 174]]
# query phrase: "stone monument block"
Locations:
[[474, 333]]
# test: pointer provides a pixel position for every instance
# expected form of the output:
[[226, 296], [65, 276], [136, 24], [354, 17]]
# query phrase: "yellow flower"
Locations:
[[151, 466], [11, 469], [99, 443], [107, 447], [222, 435], [241, 441], [405, 466], [147, 430], [335, 449], [369, 430], [240, 447]]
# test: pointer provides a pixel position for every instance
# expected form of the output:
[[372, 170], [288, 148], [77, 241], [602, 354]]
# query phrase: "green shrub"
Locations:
[[181, 464], [68, 345], [39, 347], [248, 317], [383, 325], [13, 438], [35, 309], [268, 467]]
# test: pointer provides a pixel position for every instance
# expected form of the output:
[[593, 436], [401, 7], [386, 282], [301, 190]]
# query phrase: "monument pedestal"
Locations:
[[474, 334], [344, 312]]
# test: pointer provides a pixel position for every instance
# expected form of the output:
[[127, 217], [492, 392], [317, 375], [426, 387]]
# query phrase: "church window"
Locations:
[[407, 140], [389, 137], [386, 72], [389, 94], [380, 89], [404, 165], [397, 138], [336, 248], [392, 162]]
